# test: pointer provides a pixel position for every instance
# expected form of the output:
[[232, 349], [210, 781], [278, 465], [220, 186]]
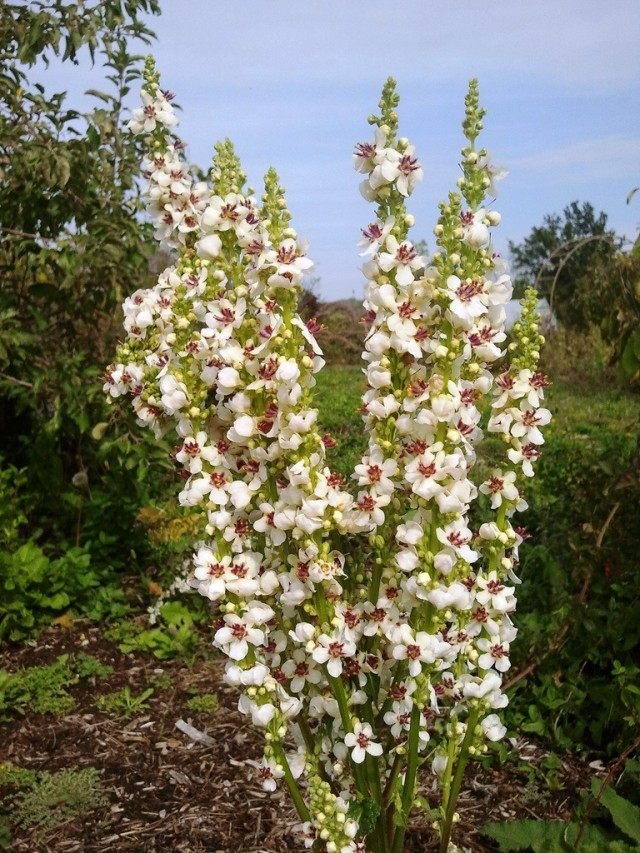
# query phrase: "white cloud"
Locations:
[[606, 158]]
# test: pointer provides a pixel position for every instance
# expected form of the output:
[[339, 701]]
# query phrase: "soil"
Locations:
[[169, 793]]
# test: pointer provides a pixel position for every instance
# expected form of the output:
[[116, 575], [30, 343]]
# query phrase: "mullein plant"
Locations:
[[367, 630]]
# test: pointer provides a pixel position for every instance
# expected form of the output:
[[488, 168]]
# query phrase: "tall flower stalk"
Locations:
[[366, 629]]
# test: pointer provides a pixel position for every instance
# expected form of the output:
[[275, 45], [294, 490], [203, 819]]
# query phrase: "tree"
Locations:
[[559, 256], [71, 244]]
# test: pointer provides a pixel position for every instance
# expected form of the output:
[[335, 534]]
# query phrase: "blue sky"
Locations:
[[293, 82]]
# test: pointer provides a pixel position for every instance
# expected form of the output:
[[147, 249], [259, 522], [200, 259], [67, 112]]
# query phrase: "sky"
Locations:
[[292, 82]]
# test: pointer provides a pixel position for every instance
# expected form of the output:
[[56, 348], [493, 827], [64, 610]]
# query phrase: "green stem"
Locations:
[[463, 758], [307, 735], [409, 779], [296, 796], [340, 695], [448, 773], [378, 836], [387, 799], [375, 583], [395, 769]]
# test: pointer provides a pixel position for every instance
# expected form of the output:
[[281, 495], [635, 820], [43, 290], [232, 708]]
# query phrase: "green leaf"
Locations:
[[103, 96], [624, 814], [368, 817], [99, 430], [399, 816], [629, 360], [527, 835], [55, 602], [552, 836]]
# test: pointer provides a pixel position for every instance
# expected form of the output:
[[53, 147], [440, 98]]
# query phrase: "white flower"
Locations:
[[369, 509], [524, 455], [454, 595], [409, 171], [174, 394], [361, 742], [410, 533], [300, 670], [331, 650], [399, 719], [221, 214], [209, 247], [496, 654], [194, 450], [261, 714], [526, 423], [493, 728], [401, 257], [501, 487], [417, 648], [426, 472], [492, 591], [155, 110], [366, 153], [374, 235], [268, 772], [228, 380], [235, 636], [254, 676], [487, 688], [290, 264], [238, 632], [474, 230], [456, 536], [467, 302], [210, 574], [376, 471], [243, 427], [240, 494]]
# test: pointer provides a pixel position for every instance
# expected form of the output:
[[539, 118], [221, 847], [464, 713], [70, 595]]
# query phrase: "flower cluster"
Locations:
[[174, 200], [367, 627]]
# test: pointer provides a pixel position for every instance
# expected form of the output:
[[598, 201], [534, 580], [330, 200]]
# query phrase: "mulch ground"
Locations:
[[169, 793]]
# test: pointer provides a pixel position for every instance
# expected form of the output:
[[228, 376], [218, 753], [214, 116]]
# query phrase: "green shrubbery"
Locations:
[[46, 800], [44, 689], [72, 474], [580, 595], [604, 821]]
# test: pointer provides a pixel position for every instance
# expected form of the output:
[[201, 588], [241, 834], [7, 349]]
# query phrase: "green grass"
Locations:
[[205, 702], [44, 689], [124, 703], [58, 797], [338, 398], [595, 414], [591, 411]]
